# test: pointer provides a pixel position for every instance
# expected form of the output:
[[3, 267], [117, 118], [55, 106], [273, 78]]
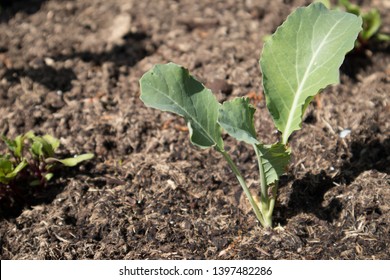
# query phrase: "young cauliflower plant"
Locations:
[[301, 58]]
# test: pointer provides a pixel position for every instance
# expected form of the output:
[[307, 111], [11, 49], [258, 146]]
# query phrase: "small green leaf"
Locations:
[[303, 57], [7, 170], [274, 160], [17, 169], [29, 135], [349, 7], [37, 149], [19, 142], [54, 142], [41, 147], [48, 176], [170, 88], [10, 143], [236, 117], [71, 161], [382, 37], [15, 146], [371, 24], [5, 165]]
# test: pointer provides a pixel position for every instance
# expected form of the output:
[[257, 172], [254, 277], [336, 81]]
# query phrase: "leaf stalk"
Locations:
[[241, 180]]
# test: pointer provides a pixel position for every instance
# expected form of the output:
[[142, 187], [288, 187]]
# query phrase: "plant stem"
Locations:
[[267, 205], [273, 199], [242, 182]]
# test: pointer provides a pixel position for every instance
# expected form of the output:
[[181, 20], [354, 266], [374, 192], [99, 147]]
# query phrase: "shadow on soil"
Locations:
[[25, 196], [132, 51], [127, 54], [51, 78], [308, 193], [360, 59], [8, 8]]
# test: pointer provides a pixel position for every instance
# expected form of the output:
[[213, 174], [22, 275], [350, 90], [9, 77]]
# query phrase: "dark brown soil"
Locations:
[[71, 69]]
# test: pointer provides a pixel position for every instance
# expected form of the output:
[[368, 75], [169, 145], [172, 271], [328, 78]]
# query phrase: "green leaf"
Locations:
[[41, 147], [303, 57], [349, 7], [29, 135], [169, 87], [382, 37], [371, 24], [15, 146], [5, 165], [10, 143], [274, 159], [7, 170], [71, 161], [18, 146], [236, 117], [37, 149], [54, 142], [48, 176], [17, 169]]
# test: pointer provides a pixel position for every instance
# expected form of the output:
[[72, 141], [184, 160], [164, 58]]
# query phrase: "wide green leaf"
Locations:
[[71, 161], [274, 159], [236, 117], [303, 57], [169, 87]]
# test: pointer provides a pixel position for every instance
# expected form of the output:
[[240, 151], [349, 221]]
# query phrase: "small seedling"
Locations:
[[301, 58], [371, 22], [31, 160]]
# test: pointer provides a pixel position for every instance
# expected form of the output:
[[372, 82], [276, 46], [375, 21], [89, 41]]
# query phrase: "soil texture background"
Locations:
[[71, 69]]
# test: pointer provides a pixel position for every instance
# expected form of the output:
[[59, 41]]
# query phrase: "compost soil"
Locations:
[[71, 69]]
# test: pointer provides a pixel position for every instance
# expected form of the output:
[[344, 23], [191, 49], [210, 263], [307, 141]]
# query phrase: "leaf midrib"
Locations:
[[203, 131], [298, 93]]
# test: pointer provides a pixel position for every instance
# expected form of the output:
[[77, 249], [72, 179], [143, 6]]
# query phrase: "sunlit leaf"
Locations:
[[5, 165], [8, 171], [303, 57], [71, 161], [274, 160], [169, 87], [236, 117], [41, 147], [48, 176], [54, 142]]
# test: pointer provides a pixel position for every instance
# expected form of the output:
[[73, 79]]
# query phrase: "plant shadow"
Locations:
[[23, 196], [127, 54], [51, 78], [133, 49], [10, 7], [307, 195], [361, 58]]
